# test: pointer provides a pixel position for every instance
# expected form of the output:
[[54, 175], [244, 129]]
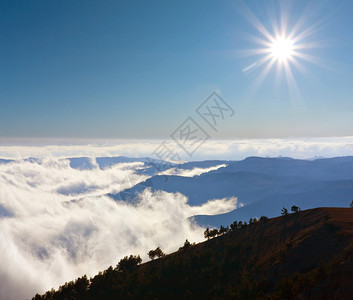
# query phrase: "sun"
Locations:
[[282, 49], [283, 46]]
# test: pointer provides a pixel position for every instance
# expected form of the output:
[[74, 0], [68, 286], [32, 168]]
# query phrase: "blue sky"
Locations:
[[138, 69]]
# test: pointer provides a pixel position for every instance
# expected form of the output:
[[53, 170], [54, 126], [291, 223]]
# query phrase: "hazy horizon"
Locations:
[[213, 149]]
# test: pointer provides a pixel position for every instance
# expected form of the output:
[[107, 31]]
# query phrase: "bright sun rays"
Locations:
[[281, 47]]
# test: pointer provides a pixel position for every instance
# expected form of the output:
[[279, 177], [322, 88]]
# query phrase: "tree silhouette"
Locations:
[[240, 224], [234, 226], [128, 263], [159, 253], [210, 233], [81, 284], [295, 208], [152, 254], [284, 211], [206, 233], [223, 230], [214, 232], [187, 245], [351, 205]]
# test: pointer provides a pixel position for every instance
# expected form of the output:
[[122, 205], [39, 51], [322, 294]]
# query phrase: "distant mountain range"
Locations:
[[263, 185]]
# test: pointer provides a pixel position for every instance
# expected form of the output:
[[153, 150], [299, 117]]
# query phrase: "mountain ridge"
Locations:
[[304, 255]]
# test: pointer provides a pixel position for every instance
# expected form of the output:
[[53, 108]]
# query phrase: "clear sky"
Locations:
[[138, 69]]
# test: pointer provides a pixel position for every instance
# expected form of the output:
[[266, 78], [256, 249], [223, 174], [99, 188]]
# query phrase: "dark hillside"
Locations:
[[304, 255]]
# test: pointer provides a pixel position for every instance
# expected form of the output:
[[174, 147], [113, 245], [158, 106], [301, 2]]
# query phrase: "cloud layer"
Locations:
[[59, 224], [213, 149]]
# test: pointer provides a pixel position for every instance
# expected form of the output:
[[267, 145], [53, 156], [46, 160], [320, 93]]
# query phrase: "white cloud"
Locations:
[[50, 239], [190, 173], [216, 206]]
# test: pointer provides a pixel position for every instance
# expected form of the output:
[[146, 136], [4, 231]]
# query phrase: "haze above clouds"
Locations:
[[302, 148]]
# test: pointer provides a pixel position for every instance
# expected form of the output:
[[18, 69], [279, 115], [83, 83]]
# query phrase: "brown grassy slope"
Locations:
[[305, 255], [284, 246]]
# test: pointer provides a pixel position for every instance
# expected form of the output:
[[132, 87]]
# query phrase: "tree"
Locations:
[[240, 224], [159, 253], [214, 232], [152, 254], [187, 245], [284, 211], [263, 218], [295, 208], [206, 233], [223, 230], [81, 286], [128, 263], [234, 226], [351, 205]]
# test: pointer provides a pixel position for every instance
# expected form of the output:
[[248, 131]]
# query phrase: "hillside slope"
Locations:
[[306, 255]]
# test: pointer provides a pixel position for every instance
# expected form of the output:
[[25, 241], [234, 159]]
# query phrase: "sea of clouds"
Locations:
[[57, 223]]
